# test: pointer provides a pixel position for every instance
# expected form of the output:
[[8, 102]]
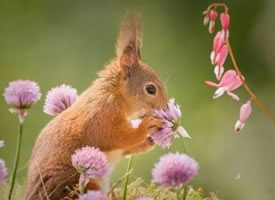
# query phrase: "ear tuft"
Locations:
[[130, 39]]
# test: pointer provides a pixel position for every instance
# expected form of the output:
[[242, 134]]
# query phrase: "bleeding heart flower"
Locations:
[[229, 82], [219, 54], [225, 22], [245, 112], [212, 16]]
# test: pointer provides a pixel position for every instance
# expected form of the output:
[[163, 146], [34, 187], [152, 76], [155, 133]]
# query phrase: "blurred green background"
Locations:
[[68, 41]]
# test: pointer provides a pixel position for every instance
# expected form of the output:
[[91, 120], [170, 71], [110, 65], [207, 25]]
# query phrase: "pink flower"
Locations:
[[219, 54], [245, 112], [212, 16], [90, 162], [93, 195], [59, 99], [170, 128], [225, 22], [3, 171], [22, 94], [174, 170], [229, 82]]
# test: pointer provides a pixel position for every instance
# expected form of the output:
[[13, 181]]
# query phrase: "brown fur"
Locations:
[[99, 118]]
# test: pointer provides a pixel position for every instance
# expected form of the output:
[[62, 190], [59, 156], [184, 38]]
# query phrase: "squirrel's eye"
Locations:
[[151, 89]]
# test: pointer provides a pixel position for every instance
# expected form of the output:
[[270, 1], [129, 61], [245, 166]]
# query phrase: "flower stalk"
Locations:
[[185, 192], [130, 161], [17, 156]]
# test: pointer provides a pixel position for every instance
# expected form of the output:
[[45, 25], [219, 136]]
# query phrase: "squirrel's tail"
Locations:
[[130, 33]]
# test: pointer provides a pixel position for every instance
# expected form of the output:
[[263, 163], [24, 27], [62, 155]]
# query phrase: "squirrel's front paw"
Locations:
[[151, 124]]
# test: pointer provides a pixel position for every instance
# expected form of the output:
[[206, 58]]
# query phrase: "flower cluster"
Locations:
[[220, 49], [174, 170], [90, 162], [59, 99], [93, 195], [170, 128], [22, 94], [231, 79]]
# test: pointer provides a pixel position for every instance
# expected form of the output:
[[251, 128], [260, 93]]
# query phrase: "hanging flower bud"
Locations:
[[206, 19], [212, 16], [245, 112], [225, 22]]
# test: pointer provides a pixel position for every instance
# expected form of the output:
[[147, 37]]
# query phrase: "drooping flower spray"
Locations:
[[232, 79], [21, 95]]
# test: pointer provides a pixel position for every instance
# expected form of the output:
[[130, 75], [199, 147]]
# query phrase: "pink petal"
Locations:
[[213, 15], [236, 83], [211, 84], [225, 20], [245, 111], [222, 55], [218, 41], [228, 78]]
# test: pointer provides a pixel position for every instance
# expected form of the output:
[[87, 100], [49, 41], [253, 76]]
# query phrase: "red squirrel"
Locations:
[[127, 88]]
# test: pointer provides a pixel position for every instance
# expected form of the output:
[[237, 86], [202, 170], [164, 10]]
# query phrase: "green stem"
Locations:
[[118, 182], [81, 188], [184, 146], [127, 177], [178, 194], [185, 187], [185, 192], [17, 156]]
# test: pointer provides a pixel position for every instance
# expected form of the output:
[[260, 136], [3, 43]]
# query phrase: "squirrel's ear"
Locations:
[[130, 40]]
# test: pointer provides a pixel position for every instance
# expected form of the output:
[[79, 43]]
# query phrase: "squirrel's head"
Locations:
[[139, 83]]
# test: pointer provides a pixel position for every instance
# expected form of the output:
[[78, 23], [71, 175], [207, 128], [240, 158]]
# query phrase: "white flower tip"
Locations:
[[172, 100], [233, 96], [182, 132], [218, 70], [212, 57], [239, 126], [219, 92]]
